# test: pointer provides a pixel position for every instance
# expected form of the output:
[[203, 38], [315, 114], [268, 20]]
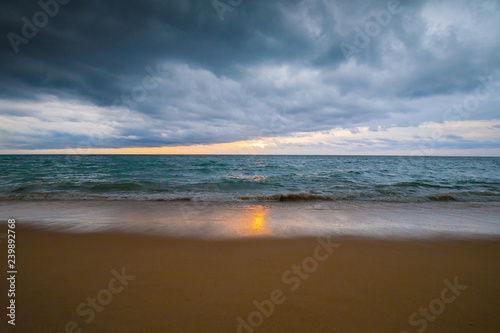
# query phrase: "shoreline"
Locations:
[[222, 220]]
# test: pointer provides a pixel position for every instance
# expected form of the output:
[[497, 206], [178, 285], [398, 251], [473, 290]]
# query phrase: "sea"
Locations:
[[249, 178]]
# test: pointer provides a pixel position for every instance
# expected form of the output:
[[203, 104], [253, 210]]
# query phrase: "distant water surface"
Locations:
[[249, 178]]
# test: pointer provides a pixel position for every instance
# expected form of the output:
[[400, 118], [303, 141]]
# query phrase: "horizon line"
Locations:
[[222, 154]]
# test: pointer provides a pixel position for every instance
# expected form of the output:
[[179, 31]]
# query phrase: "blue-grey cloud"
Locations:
[[153, 73]]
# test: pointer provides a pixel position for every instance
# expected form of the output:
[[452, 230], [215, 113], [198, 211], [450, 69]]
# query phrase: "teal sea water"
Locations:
[[249, 178]]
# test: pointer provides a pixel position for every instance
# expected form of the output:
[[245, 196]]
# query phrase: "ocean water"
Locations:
[[249, 178]]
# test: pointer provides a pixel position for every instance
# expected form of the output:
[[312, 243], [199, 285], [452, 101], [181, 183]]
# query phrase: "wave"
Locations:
[[105, 187], [465, 196], [443, 197], [282, 197], [248, 179]]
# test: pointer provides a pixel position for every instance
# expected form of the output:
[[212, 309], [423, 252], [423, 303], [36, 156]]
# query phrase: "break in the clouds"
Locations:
[[393, 76]]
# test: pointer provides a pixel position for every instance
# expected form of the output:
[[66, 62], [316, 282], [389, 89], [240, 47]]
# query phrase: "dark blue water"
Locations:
[[250, 178]]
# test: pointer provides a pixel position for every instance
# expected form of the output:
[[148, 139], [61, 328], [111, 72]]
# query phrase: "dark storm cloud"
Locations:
[[90, 46], [270, 68]]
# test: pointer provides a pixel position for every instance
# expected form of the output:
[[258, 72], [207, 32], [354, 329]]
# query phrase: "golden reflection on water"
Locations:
[[258, 221], [210, 221]]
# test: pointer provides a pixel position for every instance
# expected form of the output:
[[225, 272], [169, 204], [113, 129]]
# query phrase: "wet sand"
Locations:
[[144, 283], [223, 220]]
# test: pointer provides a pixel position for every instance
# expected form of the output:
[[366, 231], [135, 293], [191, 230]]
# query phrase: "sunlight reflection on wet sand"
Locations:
[[229, 220]]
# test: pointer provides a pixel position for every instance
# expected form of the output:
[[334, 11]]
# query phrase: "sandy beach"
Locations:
[[109, 282], [231, 166]]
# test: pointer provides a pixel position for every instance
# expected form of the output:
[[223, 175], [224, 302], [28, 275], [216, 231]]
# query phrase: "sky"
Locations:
[[250, 77]]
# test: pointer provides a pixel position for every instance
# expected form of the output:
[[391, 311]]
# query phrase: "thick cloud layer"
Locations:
[[150, 73]]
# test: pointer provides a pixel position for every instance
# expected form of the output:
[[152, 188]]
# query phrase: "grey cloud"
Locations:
[[453, 137], [271, 68]]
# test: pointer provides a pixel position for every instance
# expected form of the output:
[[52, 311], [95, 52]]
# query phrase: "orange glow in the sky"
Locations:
[[258, 144], [238, 147]]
